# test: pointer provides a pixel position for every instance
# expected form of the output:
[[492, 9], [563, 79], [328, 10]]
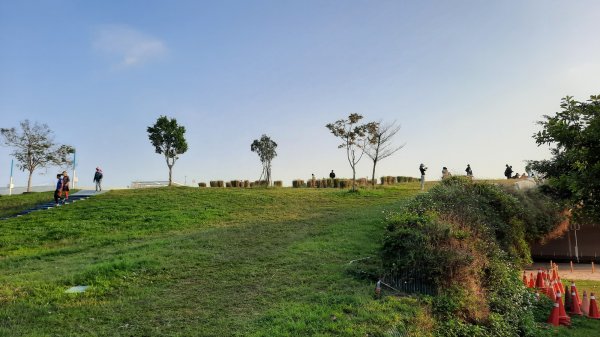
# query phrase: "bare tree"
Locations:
[[265, 148], [354, 139], [380, 145], [34, 148]]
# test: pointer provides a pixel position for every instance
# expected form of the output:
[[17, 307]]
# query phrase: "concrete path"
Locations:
[[75, 197]]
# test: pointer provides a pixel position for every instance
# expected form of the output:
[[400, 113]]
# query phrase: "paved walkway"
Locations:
[[581, 271], [75, 197]]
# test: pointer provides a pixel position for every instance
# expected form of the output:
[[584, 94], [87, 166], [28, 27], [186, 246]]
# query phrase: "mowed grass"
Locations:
[[201, 262]]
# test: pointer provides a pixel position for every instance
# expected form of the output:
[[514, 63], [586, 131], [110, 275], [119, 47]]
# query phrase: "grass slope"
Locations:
[[200, 262], [13, 204]]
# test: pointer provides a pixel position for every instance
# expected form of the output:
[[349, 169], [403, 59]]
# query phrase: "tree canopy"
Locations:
[[34, 147], [168, 139], [355, 138], [573, 172]]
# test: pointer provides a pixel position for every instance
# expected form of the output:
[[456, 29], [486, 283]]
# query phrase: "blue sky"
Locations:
[[467, 80]]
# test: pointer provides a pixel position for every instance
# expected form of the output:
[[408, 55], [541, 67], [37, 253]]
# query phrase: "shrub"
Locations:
[[278, 183], [297, 183], [323, 183], [247, 183], [345, 183], [233, 183], [202, 185], [228, 184], [336, 182], [213, 184], [330, 183], [220, 183], [469, 240]]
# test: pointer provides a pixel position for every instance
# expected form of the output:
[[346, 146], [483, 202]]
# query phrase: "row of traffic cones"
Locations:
[[549, 283]]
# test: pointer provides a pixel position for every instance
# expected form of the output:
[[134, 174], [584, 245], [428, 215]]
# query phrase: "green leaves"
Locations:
[[573, 173], [34, 147], [167, 137]]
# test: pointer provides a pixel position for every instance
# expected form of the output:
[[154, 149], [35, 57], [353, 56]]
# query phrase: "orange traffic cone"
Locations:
[[563, 318], [553, 318], [525, 282], [585, 304], [531, 281], [593, 307], [575, 304], [539, 282]]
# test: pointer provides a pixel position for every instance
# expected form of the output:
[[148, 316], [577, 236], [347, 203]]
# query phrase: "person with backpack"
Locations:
[[469, 171], [98, 179], [508, 172], [332, 175]]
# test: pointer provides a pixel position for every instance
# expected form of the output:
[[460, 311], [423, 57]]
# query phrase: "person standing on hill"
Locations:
[[65, 186], [422, 169], [508, 172], [332, 175], [98, 179], [58, 190], [469, 171], [445, 173]]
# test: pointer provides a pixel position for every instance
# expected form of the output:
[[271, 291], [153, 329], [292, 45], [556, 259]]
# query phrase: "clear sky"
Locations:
[[467, 80]]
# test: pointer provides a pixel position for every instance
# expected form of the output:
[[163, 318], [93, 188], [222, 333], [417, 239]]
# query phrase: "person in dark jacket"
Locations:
[[332, 175], [508, 172], [58, 190], [469, 171], [422, 169], [98, 179]]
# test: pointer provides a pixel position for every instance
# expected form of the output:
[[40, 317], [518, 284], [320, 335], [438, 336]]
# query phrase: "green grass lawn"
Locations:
[[201, 262]]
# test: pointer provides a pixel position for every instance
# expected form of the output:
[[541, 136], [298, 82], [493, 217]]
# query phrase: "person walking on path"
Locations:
[[508, 172], [65, 185], [98, 179], [422, 168], [58, 190], [469, 171], [332, 175]]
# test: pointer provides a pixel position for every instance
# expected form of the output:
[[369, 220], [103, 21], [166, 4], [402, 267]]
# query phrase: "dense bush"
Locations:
[[298, 183], [469, 240], [202, 185], [278, 183]]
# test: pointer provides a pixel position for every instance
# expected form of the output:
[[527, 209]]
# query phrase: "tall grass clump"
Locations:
[[469, 241]]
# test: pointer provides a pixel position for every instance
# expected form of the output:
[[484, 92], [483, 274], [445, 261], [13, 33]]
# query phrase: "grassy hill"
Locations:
[[200, 262]]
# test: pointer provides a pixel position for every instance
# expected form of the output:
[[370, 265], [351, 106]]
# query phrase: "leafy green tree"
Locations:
[[380, 145], [265, 148], [355, 138], [573, 172], [34, 147], [168, 139]]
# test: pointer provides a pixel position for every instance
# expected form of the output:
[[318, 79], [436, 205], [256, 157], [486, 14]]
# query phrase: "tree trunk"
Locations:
[[373, 175], [29, 181], [170, 175], [353, 179]]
